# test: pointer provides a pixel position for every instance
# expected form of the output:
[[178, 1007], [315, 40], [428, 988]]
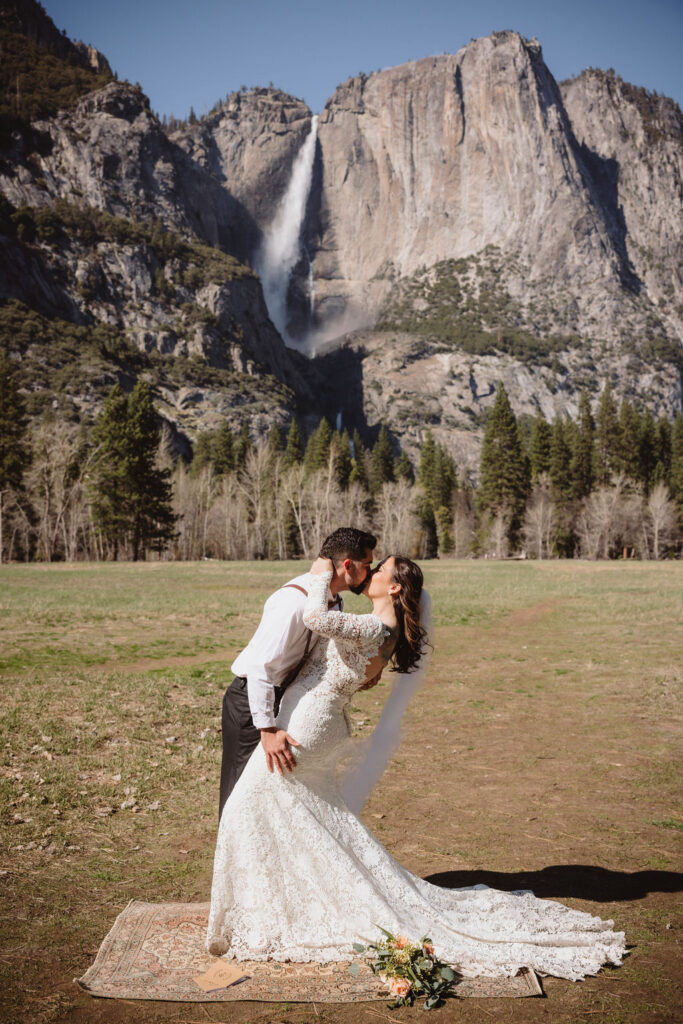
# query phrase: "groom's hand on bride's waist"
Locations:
[[276, 745]]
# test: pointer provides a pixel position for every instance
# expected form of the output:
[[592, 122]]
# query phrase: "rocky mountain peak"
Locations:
[[473, 220], [92, 56], [29, 18], [249, 143], [119, 100]]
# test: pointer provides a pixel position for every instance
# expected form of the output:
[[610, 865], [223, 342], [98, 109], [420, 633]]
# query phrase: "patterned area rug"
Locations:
[[155, 949]]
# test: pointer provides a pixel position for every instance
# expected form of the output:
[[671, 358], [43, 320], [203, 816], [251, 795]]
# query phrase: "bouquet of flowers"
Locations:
[[409, 968]]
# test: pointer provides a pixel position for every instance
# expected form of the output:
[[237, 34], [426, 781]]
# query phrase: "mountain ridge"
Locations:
[[479, 156]]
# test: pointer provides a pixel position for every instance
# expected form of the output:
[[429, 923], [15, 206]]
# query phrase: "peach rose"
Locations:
[[400, 942], [428, 948], [399, 987]]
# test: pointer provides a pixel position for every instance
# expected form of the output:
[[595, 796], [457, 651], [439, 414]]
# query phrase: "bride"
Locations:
[[298, 877]]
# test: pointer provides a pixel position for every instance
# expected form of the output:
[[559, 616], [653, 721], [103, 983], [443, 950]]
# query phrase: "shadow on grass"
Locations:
[[579, 880]]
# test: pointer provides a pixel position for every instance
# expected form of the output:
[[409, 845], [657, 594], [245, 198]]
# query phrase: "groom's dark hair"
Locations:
[[347, 543]]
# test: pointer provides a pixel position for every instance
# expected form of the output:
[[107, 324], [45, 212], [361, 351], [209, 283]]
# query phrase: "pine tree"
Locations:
[[646, 451], [429, 538], [148, 485], [317, 451], [525, 427], [503, 474], [560, 463], [274, 440], [223, 450], [15, 452], [426, 473], [582, 460], [629, 430], [444, 480], [14, 445], [242, 446], [677, 465], [444, 529], [404, 468], [662, 471], [111, 504], [293, 451], [359, 473], [343, 463], [562, 487], [427, 465], [202, 451], [607, 437], [383, 463], [437, 480], [539, 446]]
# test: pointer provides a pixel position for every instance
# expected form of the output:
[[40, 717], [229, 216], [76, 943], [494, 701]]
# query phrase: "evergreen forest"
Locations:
[[608, 485]]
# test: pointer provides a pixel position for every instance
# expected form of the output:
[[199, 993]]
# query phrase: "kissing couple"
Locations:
[[297, 876]]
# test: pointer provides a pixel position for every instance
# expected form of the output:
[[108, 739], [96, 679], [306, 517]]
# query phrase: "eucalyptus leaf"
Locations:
[[354, 969], [358, 948]]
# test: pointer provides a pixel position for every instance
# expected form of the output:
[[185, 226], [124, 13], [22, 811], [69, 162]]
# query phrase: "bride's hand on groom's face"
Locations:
[[322, 565]]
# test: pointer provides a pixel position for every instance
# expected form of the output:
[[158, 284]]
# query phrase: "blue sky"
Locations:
[[194, 53]]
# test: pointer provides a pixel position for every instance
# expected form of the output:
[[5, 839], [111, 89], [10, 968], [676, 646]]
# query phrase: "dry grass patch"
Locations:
[[543, 753]]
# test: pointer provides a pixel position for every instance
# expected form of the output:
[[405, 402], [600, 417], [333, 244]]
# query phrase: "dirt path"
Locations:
[[543, 753]]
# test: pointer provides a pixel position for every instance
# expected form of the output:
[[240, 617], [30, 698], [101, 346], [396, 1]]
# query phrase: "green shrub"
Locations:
[[35, 84]]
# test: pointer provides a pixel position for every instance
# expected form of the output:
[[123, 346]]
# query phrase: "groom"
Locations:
[[275, 655]]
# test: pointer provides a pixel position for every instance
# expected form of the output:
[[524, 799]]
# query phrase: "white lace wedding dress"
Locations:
[[298, 877]]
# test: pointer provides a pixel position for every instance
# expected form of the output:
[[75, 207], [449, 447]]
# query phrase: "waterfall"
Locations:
[[281, 246], [311, 287]]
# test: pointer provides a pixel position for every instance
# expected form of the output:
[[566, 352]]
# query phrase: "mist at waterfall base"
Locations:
[[281, 250]]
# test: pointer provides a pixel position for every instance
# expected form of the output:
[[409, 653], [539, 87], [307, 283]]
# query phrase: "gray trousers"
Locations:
[[240, 737]]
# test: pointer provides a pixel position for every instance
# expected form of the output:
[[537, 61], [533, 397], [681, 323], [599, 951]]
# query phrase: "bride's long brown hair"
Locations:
[[412, 637]]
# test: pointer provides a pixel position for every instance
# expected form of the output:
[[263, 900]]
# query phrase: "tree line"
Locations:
[[603, 486]]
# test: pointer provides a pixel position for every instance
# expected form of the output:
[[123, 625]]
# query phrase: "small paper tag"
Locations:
[[219, 975]]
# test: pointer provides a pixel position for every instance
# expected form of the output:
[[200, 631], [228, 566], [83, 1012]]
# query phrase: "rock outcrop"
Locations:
[[633, 143], [111, 153], [440, 158], [249, 144], [472, 218]]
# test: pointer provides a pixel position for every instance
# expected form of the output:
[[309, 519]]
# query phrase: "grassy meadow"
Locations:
[[543, 752]]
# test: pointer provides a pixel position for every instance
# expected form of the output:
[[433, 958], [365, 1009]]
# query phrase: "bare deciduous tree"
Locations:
[[659, 521], [17, 528], [396, 521], [323, 499], [495, 535], [230, 531], [611, 519], [55, 481], [193, 497], [256, 480], [539, 519]]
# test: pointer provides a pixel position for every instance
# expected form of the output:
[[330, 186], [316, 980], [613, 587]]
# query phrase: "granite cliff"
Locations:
[[468, 220]]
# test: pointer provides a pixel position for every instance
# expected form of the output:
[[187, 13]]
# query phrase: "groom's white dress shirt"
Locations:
[[276, 647]]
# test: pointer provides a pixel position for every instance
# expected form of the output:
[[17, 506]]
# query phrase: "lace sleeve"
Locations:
[[339, 625]]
